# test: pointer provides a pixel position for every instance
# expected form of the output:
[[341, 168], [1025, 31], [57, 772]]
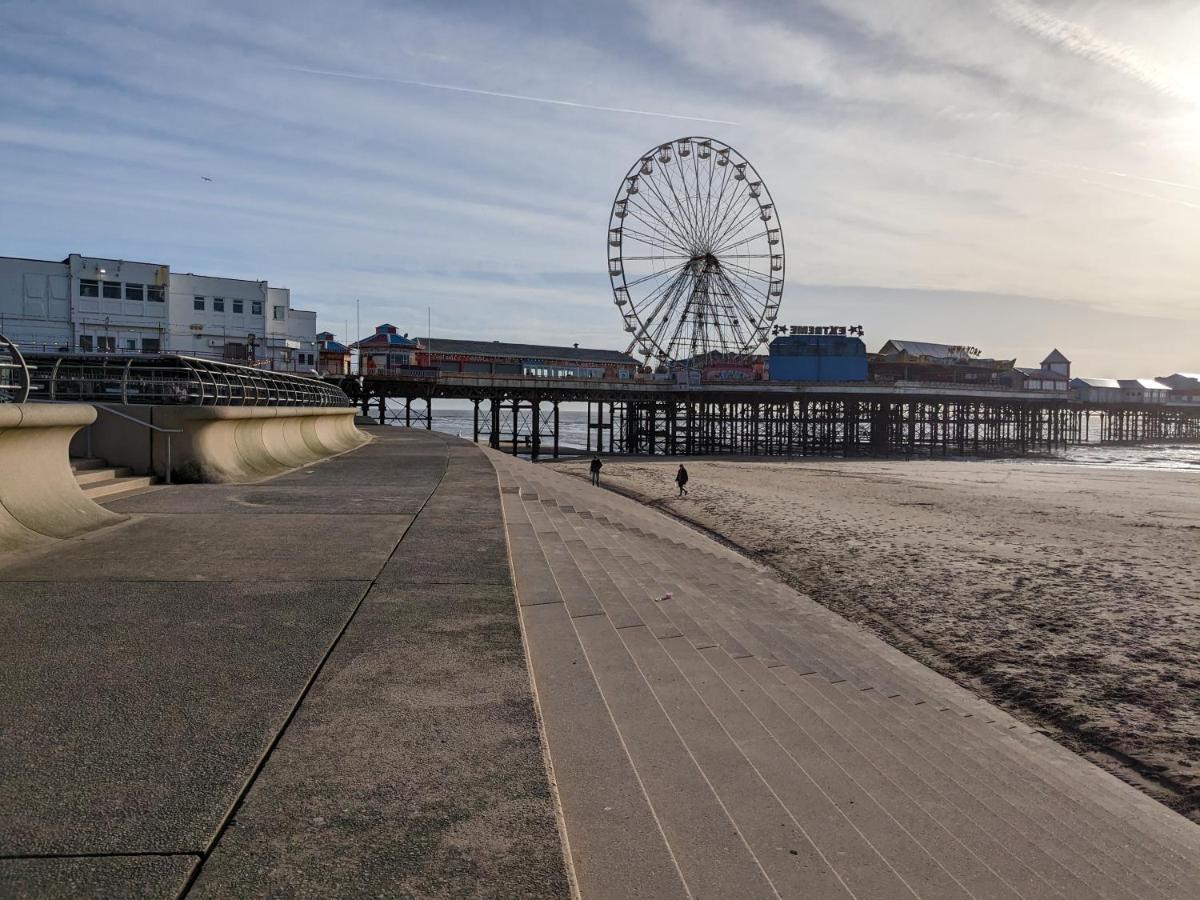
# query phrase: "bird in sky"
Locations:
[[205, 178]]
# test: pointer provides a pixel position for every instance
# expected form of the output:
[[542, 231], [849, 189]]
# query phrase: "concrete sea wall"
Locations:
[[40, 499], [248, 443]]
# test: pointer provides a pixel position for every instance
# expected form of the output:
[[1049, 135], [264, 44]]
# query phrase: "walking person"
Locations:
[[681, 479], [596, 467]]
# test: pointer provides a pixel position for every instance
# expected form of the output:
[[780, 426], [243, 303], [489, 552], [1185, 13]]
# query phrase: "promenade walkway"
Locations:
[[711, 732], [313, 686]]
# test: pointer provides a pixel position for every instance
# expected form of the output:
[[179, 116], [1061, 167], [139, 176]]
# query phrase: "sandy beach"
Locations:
[[1070, 595]]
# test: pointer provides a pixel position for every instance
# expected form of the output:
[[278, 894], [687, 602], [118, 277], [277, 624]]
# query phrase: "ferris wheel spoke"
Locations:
[[727, 204], [660, 273], [744, 272], [733, 221], [660, 256], [657, 224], [641, 238], [681, 229], [689, 196], [725, 248], [685, 210]]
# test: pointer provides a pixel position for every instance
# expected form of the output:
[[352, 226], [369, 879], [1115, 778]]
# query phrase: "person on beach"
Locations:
[[681, 479], [596, 466]]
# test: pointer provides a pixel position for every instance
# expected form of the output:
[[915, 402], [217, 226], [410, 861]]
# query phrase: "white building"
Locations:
[[1143, 390], [89, 304], [1097, 390]]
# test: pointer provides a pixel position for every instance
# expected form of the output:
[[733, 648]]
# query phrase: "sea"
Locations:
[[1181, 457]]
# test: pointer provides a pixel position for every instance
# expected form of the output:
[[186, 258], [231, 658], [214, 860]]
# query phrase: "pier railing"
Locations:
[[174, 380], [14, 373]]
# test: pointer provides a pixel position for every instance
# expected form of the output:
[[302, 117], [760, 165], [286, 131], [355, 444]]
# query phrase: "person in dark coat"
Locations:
[[596, 467], [681, 479]]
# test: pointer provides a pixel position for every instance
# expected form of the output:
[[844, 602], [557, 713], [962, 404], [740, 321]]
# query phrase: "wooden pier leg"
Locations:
[[475, 403], [535, 416], [494, 436]]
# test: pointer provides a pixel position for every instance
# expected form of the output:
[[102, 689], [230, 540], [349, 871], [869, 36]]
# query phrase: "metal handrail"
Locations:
[[177, 380], [136, 421], [17, 365]]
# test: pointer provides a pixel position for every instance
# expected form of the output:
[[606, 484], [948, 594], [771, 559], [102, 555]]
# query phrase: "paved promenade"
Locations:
[[714, 733], [313, 686]]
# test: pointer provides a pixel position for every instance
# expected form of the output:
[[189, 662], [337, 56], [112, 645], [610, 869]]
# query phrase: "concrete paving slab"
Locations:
[[413, 768], [69, 878], [131, 714], [478, 553], [218, 547], [272, 497]]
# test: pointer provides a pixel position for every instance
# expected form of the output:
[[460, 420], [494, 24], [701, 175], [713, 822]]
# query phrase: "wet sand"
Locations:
[[1069, 595]]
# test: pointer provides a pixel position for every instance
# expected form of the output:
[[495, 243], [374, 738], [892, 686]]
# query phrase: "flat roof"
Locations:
[[526, 351]]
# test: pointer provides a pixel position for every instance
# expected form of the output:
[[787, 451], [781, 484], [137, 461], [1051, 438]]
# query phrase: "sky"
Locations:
[[1005, 174]]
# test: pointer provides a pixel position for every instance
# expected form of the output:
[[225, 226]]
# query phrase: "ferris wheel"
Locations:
[[695, 252]]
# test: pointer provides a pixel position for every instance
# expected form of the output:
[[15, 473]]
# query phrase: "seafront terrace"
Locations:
[[425, 668]]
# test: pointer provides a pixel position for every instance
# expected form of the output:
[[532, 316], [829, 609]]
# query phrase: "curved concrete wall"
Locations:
[[248, 443], [40, 499]]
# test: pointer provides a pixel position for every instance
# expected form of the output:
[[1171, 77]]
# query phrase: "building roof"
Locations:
[[331, 346], [1055, 357], [1096, 382], [526, 351], [925, 348], [1146, 384], [1044, 374], [1181, 380]]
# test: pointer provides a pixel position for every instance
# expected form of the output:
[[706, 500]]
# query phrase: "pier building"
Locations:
[[389, 352], [100, 305], [1097, 390], [333, 357], [1144, 390], [817, 358], [929, 362], [1185, 386]]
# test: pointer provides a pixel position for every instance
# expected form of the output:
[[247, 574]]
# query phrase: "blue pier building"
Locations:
[[817, 357]]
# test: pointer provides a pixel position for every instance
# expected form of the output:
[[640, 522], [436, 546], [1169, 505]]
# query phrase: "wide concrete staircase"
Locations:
[[100, 480], [712, 732]]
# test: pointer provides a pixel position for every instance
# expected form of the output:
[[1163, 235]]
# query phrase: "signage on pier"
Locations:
[[841, 330]]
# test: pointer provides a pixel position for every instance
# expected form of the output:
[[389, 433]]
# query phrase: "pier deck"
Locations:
[[713, 732]]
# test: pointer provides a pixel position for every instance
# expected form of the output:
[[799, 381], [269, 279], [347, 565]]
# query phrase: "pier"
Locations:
[[771, 419]]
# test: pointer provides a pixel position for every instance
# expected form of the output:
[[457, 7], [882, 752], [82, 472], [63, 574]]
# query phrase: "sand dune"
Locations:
[[1070, 595]]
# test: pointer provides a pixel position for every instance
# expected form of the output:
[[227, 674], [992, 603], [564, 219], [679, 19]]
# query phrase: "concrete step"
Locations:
[[127, 485], [101, 473], [812, 735], [83, 463]]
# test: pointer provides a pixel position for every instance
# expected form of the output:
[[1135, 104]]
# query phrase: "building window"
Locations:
[[256, 307], [238, 306], [135, 292], [218, 304], [106, 343], [85, 343], [130, 344], [198, 304], [89, 287], [150, 345], [277, 312], [155, 294], [112, 290]]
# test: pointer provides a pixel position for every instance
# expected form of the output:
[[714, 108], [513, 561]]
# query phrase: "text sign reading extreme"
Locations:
[[842, 330]]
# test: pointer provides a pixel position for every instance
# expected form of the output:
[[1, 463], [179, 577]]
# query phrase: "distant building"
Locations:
[[1143, 390], [333, 357], [531, 360], [925, 361], [1057, 364], [1097, 390], [1185, 386], [817, 358], [99, 305], [387, 349]]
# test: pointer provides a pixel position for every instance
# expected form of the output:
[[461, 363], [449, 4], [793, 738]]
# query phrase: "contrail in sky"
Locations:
[[467, 90]]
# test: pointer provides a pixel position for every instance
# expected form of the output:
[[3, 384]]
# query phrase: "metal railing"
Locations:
[[14, 373], [174, 380]]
